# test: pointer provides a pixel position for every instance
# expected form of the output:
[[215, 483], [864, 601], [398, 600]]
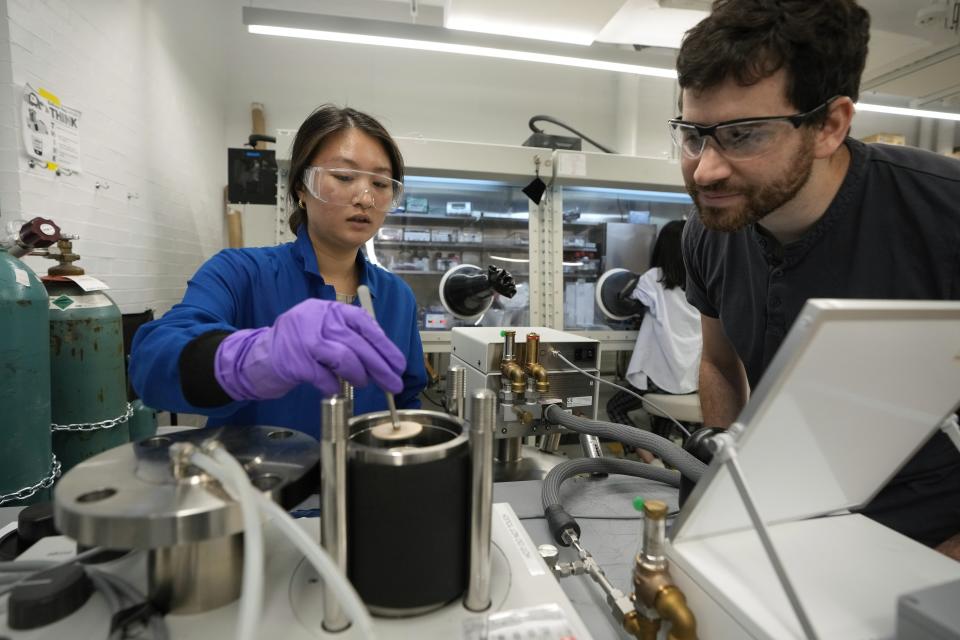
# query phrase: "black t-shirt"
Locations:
[[891, 232]]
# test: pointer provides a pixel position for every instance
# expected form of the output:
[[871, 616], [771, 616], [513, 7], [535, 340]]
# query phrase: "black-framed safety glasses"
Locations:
[[740, 139]]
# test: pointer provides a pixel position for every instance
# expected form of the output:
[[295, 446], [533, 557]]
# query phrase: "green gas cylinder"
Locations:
[[88, 394], [26, 464], [143, 423]]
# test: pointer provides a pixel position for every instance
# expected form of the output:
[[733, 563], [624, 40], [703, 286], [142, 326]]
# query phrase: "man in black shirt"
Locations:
[[790, 208]]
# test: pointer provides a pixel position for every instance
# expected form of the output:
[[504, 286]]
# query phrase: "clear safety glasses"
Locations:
[[741, 139], [348, 187]]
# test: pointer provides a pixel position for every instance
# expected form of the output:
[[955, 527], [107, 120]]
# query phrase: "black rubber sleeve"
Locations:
[[197, 379], [559, 521]]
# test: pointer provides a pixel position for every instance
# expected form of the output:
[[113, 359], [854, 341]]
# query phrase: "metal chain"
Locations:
[[29, 492], [94, 426]]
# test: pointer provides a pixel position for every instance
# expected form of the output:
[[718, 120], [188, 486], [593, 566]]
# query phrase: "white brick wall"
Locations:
[[148, 77]]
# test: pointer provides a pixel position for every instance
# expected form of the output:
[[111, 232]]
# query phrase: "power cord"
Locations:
[[535, 129]]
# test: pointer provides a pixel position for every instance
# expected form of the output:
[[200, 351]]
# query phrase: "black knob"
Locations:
[[39, 233], [50, 596]]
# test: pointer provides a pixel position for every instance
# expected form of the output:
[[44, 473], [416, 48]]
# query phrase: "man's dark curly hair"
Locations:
[[822, 44]]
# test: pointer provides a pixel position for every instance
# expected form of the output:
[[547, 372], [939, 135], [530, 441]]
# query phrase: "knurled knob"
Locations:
[[39, 233]]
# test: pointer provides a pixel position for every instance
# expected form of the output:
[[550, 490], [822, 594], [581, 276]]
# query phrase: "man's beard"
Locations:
[[761, 200]]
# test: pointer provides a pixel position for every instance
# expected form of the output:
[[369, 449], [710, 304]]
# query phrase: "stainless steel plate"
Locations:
[[128, 498]]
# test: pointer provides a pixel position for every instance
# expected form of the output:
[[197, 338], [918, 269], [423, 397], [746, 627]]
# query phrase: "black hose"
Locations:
[[558, 520], [675, 456]]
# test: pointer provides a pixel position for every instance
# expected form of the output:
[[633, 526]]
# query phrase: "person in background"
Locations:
[[262, 334], [791, 208], [666, 356]]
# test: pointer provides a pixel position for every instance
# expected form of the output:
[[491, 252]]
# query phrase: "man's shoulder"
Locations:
[[921, 165]]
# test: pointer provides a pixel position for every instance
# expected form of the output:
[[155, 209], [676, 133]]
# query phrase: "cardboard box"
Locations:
[[390, 233], [443, 235], [886, 138], [416, 235], [471, 236]]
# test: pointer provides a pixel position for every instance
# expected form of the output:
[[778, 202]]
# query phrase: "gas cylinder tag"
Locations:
[[89, 283], [61, 302], [92, 301], [517, 534], [23, 278]]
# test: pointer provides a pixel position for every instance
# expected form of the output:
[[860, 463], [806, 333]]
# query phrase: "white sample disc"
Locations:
[[386, 431]]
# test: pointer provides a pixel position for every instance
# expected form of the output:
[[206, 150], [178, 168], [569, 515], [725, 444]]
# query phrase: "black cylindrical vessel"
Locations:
[[408, 507]]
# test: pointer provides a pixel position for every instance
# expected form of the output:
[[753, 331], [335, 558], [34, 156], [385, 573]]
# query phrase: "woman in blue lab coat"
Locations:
[[262, 334]]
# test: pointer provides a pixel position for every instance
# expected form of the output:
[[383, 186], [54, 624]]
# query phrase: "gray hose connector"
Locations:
[[673, 455], [559, 522]]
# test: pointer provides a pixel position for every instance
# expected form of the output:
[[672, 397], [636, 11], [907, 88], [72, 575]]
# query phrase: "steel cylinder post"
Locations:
[[509, 449], [483, 409], [346, 394], [333, 499], [456, 390]]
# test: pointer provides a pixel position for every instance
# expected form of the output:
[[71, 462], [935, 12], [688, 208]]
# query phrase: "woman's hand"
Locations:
[[315, 342]]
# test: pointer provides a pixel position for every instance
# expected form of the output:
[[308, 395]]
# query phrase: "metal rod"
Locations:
[[456, 391], [363, 292], [460, 384], [333, 500], [550, 442], [483, 408], [346, 392], [508, 449], [733, 466], [591, 446]]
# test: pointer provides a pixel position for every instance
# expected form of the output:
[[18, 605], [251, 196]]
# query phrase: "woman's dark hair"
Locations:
[[325, 121], [822, 44], [668, 256]]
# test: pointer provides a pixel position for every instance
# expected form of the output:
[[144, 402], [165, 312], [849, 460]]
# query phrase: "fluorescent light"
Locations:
[[566, 264], [570, 36], [426, 38], [649, 23], [901, 111]]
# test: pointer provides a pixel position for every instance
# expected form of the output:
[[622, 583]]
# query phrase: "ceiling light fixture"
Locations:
[[571, 36], [902, 111], [426, 38]]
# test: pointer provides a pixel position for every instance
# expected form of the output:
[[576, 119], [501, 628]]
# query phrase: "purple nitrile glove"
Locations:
[[314, 342]]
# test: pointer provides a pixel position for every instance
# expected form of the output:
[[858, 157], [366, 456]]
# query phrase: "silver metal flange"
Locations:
[[129, 498]]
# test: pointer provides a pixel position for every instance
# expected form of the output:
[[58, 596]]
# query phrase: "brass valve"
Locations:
[[510, 369], [533, 367], [652, 584]]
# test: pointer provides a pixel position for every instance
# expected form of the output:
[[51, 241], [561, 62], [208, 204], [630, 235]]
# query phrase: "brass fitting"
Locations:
[[510, 369], [533, 367], [514, 372], [642, 628], [672, 606], [648, 583], [524, 416], [65, 260], [653, 587]]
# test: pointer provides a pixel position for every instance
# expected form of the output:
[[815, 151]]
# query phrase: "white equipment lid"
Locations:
[[853, 392]]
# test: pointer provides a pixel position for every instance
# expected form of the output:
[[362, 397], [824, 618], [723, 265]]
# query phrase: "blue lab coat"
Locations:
[[249, 288]]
